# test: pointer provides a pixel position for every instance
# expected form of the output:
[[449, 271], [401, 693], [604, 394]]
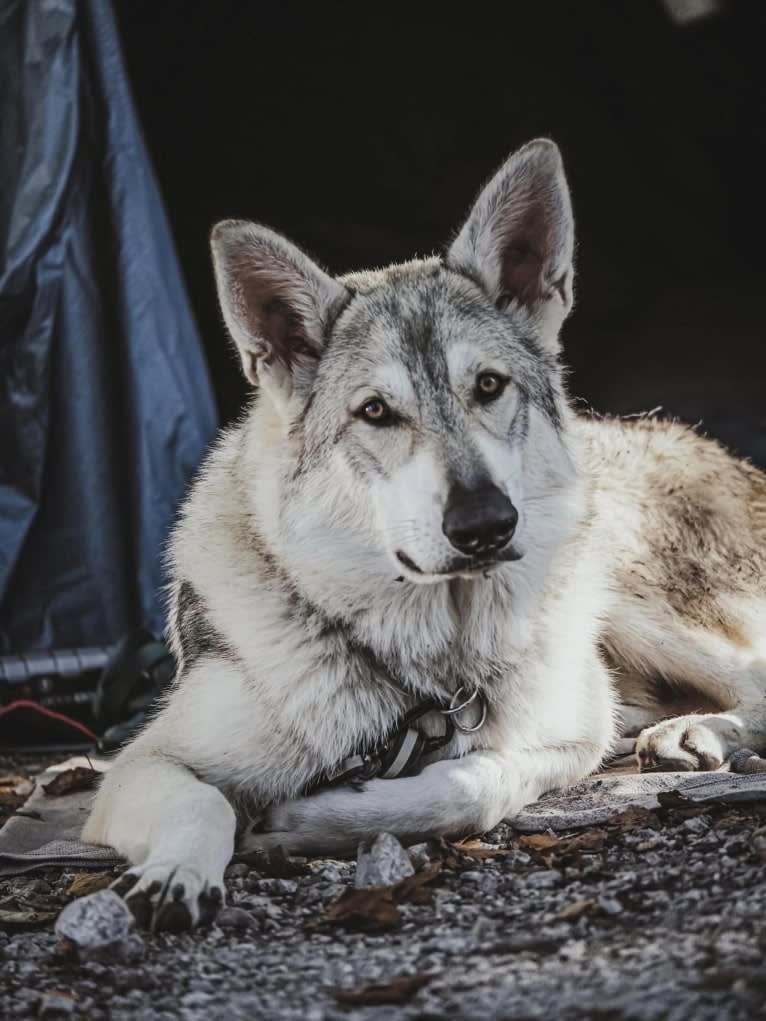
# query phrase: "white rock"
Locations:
[[384, 863], [99, 925]]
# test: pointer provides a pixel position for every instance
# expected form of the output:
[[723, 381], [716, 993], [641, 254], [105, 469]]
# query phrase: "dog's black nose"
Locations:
[[479, 521]]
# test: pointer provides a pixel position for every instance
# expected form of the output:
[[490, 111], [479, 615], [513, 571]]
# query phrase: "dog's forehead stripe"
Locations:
[[429, 321]]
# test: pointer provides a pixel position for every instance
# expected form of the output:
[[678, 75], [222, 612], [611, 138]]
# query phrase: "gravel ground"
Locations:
[[657, 917]]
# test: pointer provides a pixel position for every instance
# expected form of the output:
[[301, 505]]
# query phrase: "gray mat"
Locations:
[[28, 842]]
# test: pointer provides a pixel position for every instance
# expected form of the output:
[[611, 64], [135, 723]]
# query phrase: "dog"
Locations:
[[412, 590]]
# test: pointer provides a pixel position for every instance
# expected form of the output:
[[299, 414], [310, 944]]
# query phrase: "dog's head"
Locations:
[[418, 407]]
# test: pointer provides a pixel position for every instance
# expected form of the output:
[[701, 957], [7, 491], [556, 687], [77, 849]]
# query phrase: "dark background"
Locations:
[[363, 133]]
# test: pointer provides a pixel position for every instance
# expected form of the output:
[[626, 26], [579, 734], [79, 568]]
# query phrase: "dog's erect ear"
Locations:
[[518, 241], [276, 302]]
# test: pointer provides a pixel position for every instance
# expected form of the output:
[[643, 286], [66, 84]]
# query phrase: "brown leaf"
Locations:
[[536, 842], [70, 780], [634, 817], [23, 918], [375, 909], [682, 806], [573, 911], [550, 850], [274, 863], [589, 842], [478, 852], [414, 889], [9, 799], [38, 902], [88, 882], [730, 821], [11, 780], [370, 910], [398, 990], [65, 951], [463, 854]]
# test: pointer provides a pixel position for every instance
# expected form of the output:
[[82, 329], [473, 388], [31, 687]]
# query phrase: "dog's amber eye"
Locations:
[[489, 385], [376, 411]]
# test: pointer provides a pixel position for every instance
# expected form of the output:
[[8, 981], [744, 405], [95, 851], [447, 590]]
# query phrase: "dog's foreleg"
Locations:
[[177, 833], [452, 797]]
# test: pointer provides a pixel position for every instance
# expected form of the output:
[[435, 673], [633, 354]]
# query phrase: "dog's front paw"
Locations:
[[304, 826], [169, 897], [686, 743]]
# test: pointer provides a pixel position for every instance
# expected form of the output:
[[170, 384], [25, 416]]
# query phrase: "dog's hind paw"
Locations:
[[170, 898], [686, 743]]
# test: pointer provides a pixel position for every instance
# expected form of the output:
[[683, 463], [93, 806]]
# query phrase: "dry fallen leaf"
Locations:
[[536, 842], [88, 882], [370, 910], [675, 799], [21, 918], [21, 785], [11, 780], [274, 863], [375, 909], [463, 854], [589, 842], [634, 817], [416, 889], [730, 821], [70, 780], [573, 911], [398, 990], [9, 799], [552, 850]]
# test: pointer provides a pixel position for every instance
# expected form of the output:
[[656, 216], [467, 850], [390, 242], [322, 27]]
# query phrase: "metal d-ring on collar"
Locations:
[[456, 706]]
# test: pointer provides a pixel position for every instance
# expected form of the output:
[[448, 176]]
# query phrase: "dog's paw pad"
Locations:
[[210, 903], [125, 883], [173, 916], [141, 908]]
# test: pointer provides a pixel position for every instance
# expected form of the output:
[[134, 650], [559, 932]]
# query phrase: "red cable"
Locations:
[[24, 703]]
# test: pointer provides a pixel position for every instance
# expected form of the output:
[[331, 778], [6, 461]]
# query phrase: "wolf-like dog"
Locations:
[[410, 513]]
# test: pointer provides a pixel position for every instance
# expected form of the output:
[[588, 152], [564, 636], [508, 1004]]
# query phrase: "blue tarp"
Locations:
[[106, 405]]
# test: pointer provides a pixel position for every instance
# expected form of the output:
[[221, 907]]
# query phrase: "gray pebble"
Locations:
[[610, 905], [419, 854], [697, 824], [234, 918], [56, 1005], [471, 876], [382, 863], [543, 878], [195, 999]]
